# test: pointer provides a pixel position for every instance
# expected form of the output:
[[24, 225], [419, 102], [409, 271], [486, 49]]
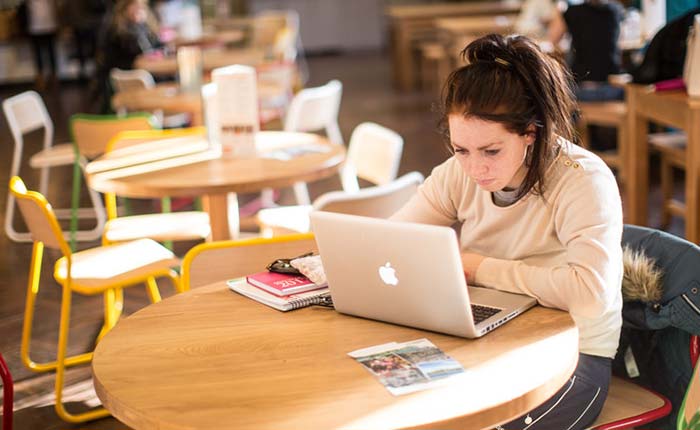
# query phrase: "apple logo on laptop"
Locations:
[[388, 274]]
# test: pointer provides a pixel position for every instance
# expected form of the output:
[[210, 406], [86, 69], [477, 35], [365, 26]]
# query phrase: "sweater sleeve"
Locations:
[[588, 222], [432, 203]]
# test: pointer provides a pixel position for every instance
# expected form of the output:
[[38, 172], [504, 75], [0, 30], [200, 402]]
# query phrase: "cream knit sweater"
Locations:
[[563, 249]]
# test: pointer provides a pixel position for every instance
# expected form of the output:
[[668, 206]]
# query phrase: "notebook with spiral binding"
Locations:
[[283, 303]]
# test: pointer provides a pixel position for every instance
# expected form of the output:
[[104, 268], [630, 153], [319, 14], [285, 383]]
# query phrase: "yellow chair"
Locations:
[[185, 225], [91, 135], [103, 270], [211, 262]]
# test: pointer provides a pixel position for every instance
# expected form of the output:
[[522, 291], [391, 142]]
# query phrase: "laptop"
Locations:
[[408, 274]]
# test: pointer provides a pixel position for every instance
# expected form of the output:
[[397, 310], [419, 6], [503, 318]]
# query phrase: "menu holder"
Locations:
[[189, 68], [236, 103]]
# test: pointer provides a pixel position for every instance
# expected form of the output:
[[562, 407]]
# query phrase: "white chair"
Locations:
[[25, 113], [311, 110], [125, 80], [374, 154], [380, 201]]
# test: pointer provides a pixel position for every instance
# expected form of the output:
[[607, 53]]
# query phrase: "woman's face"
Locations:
[[137, 12], [489, 154]]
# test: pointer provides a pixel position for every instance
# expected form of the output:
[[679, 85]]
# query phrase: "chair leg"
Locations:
[[61, 367], [100, 215], [301, 193], [32, 292], [114, 305], [666, 191], [152, 289], [177, 282], [8, 395]]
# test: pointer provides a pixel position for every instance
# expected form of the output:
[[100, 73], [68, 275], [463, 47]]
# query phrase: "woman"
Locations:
[[130, 31], [539, 216]]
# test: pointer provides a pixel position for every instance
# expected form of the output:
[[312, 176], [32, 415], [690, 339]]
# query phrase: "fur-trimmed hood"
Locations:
[[661, 285]]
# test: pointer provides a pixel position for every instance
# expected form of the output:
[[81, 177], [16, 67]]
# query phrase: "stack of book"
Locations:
[[280, 290]]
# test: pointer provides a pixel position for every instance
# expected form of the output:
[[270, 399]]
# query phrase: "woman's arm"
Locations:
[[433, 203], [587, 218]]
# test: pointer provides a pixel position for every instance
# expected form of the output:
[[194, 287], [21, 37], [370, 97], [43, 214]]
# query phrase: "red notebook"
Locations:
[[281, 284]]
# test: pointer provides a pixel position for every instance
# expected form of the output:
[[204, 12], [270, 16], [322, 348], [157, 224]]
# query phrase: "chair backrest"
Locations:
[[374, 154], [216, 261], [26, 112], [92, 133], [123, 80], [381, 201], [39, 216], [315, 109]]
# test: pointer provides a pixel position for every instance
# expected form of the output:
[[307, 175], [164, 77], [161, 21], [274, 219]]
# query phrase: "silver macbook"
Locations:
[[408, 274]]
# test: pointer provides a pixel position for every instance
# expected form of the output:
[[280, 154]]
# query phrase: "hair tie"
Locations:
[[501, 61]]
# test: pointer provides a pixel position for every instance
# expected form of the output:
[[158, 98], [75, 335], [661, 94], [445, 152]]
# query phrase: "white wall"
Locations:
[[334, 24]]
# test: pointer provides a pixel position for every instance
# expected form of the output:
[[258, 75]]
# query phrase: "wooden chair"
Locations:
[[610, 114], [103, 270], [26, 113], [91, 135], [630, 405], [235, 258], [162, 227], [380, 201], [671, 149], [374, 154], [7, 395]]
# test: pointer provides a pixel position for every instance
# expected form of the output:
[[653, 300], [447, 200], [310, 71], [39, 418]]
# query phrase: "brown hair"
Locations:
[[509, 80], [120, 19]]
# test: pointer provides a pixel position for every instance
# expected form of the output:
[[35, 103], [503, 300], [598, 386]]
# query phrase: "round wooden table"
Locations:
[[169, 98], [210, 358], [216, 179]]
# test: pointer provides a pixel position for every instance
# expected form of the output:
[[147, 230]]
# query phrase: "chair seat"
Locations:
[[97, 269], [670, 145], [627, 400], [190, 225], [56, 155], [292, 218], [176, 120]]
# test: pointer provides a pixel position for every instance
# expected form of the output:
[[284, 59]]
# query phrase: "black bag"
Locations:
[[666, 52]]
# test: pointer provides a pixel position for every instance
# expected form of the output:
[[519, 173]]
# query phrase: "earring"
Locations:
[[528, 155]]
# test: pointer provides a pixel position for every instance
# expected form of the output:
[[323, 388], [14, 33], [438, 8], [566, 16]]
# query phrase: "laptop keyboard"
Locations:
[[481, 313]]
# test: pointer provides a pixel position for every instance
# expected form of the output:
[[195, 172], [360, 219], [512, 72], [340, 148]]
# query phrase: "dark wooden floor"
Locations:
[[367, 96]]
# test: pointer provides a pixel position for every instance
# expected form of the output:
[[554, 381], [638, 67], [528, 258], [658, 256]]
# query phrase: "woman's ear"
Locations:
[[530, 134]]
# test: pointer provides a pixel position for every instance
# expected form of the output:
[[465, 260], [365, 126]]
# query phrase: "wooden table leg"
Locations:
[[223, 215], [636, 164], [692, 178]]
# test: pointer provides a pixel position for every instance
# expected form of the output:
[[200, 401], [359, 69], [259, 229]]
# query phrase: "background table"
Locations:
[[211, 59], [210, 358], [214, 178], [169, 98], [675, 109]]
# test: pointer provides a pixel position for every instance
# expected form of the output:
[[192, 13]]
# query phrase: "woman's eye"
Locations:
[[492, 152], [460, 151]]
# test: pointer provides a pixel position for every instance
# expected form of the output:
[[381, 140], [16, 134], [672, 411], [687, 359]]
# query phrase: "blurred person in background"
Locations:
[[42, 27], [84, 18], [131, 31]]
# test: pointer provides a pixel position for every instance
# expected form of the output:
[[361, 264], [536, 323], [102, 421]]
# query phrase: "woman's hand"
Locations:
[[470, 263]]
